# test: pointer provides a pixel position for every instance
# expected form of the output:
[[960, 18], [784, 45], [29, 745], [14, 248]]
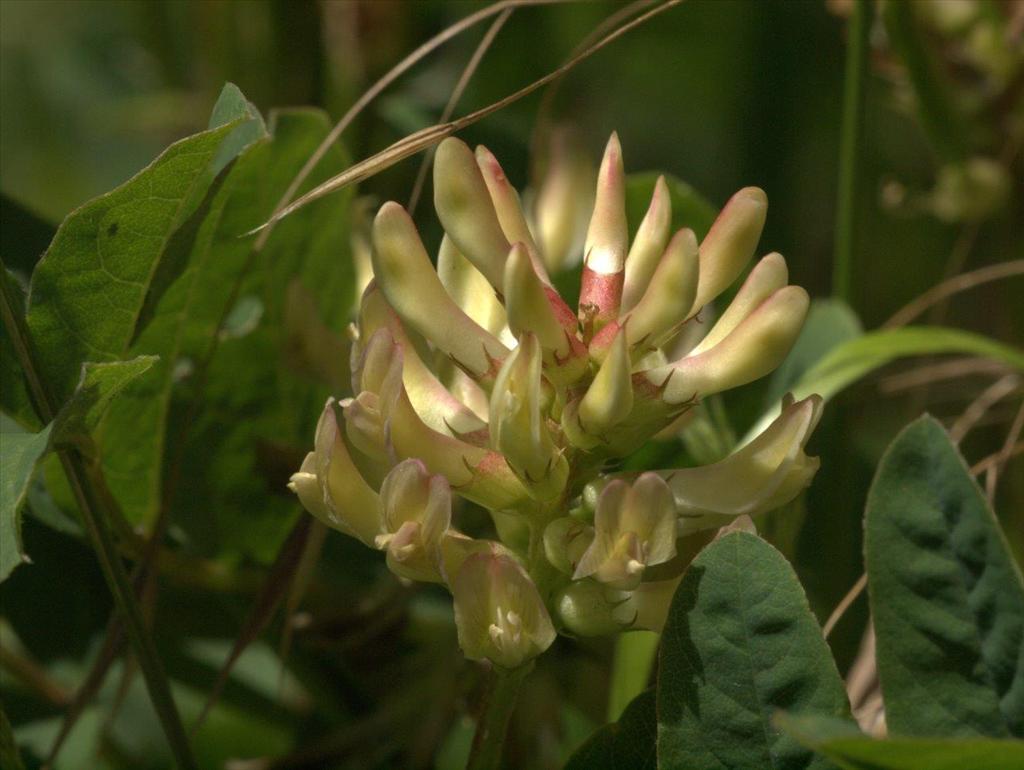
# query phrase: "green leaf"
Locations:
[[689, 208], [628, 744], [843, 744], [858, 357], [740, 643], [98, 386], [246, 395], [89, 289], [18, 455], [946, 596]]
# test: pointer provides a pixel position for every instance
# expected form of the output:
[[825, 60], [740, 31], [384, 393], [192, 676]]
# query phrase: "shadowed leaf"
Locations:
[[946, 596]]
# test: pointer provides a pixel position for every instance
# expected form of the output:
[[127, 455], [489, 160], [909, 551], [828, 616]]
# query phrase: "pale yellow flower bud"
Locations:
[[563, 203], [464, 207], [648, 245], [411, 286], [730, 243], [669, 297], [518, 424], [753, 349], [606, 245], [508, 207], [608, 400], [590, 608]]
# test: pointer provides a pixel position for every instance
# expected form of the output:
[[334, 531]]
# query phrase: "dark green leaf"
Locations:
[[843, 744], [946, 596], [89, 288], [97, 388], [19, 453], [628, 744], [256, 416], [740, 643]]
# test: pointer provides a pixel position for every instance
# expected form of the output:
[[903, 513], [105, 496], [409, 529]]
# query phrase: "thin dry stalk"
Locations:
[[844, 604], [427, 137], [997, 458], [453, 100], [547, 100], [992, 473], [371, 93], [943, 370], [979, 407], [953, 286]]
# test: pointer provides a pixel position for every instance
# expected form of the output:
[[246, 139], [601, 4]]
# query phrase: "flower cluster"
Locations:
[[475, 381]]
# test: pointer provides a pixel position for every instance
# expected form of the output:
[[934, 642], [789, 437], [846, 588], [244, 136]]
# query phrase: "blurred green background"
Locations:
[[721, 94]]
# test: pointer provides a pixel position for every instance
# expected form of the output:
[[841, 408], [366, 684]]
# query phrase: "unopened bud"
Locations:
[[608, 400], [464, 207], [730, 243], [535, 308], [518, 424], [606, 245], [498, 612], [507, 205], [669, 297], [564, 202], [768, 276], [753, 349], [471, 291], [635, 527], [648, 245], [411, 286], [589, 608]]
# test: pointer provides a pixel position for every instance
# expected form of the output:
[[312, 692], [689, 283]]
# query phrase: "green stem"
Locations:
[[489, 739], [77, 471], [635, 652], [851, 142]]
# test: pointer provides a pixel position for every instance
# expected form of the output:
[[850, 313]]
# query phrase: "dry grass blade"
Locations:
[[371, 93], [977, 409], [844, 605], [274, 589], [992, 473], [427, 137], [997, 458], [453, 100], [953, 286]]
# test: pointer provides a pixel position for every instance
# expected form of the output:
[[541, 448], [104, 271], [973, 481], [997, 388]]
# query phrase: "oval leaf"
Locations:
[[947, 599], [741, 643]]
